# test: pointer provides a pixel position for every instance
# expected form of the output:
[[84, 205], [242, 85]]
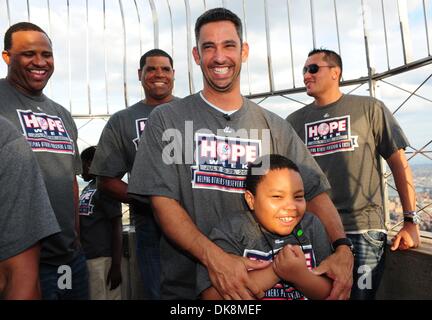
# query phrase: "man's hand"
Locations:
[[289, 262], [339, 268], [229, 275], [114, 277], [407, 237]]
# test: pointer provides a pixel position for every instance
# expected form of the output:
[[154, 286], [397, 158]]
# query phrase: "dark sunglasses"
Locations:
[[313, 68]]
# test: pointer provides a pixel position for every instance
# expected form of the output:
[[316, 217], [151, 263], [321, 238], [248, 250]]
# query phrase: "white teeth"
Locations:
[[286, 219], [221, 70], [159, 83], [38, 71]]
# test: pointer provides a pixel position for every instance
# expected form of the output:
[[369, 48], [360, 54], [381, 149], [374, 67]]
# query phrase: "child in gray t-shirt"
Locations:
[[276, 223]]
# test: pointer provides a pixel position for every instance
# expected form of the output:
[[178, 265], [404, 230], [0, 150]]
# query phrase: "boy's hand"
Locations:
[[289, 262]]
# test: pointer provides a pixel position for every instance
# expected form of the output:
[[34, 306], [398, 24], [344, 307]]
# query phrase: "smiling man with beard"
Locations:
[[189, 199], [52, 135]]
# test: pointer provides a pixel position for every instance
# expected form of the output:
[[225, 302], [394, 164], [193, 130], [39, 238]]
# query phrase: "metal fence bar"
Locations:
[[69, 58], [88, 60], [189, 47], [337, 27], [290, 42], [8, 12], [313, 23], [269, 58], [140, 27], [246, 39], [155, 24], [124, 54], [172, 28], [28, 10], [105, 59], [426, 28], [385, 34], [394, 112]]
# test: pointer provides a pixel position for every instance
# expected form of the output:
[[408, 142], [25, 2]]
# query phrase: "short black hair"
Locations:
[[88, 154], [20, 26], [330, 56], [276, 161], [215, 15], [155, 53]]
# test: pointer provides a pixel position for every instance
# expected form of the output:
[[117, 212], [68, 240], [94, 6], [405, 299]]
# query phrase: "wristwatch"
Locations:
[[343, 242], [412, 218]]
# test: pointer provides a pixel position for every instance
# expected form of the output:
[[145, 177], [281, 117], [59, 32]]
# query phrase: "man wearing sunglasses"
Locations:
[[347, 135]]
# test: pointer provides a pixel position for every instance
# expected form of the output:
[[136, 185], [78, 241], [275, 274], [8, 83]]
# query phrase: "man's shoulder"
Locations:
[[8, 132]]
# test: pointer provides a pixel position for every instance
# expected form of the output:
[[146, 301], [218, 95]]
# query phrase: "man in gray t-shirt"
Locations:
[[348, 135], [192, 161], [52, 135], [115, 156], [26, 216]]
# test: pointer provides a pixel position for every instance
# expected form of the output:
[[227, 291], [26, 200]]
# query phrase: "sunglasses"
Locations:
[[314, 68]]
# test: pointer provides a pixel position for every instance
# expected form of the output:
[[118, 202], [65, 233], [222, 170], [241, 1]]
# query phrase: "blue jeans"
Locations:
[[147, 250], [68, 282], [368, 263]]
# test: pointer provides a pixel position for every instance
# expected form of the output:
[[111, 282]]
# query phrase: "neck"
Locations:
[[227, 101], [155, 102], [327, 99], [22, 90]]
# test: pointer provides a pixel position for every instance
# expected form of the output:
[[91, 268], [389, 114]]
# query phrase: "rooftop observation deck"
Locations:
[[385, 46]]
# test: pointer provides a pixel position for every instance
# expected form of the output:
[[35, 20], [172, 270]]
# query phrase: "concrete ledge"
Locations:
[[407, 275]]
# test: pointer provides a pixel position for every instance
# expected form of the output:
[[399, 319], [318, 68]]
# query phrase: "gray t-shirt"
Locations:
[[209, 169], [52, 134], [117, 148], [96, 210], [26, 216], [346, 138], [241, 235]]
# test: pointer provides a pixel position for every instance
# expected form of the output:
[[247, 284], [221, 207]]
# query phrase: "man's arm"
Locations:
[[338, 266], [114, 274], [228, 273], [264, 278], [19, 275], [409, 236], [116, 188]]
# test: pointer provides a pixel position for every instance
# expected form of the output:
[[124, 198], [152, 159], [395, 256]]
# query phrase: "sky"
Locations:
[[91, 66]]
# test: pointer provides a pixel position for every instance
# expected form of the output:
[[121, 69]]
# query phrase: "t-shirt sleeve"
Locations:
[[389, 136], [224, 237], [110, 157], [26, 215], [154, 172]]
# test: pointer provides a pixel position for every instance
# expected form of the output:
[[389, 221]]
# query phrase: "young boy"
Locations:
[[101, 236], [276, 223]]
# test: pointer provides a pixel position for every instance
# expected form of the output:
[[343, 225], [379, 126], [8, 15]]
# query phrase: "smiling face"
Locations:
[[219, 53], [30, 61], [279, 202], [157, 79], [325, 81]]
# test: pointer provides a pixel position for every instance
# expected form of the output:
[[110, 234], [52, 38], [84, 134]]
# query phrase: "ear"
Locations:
[[139, 74], [245, 51], [250, 199], [196, 55], [6, 57], [336, 73]]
